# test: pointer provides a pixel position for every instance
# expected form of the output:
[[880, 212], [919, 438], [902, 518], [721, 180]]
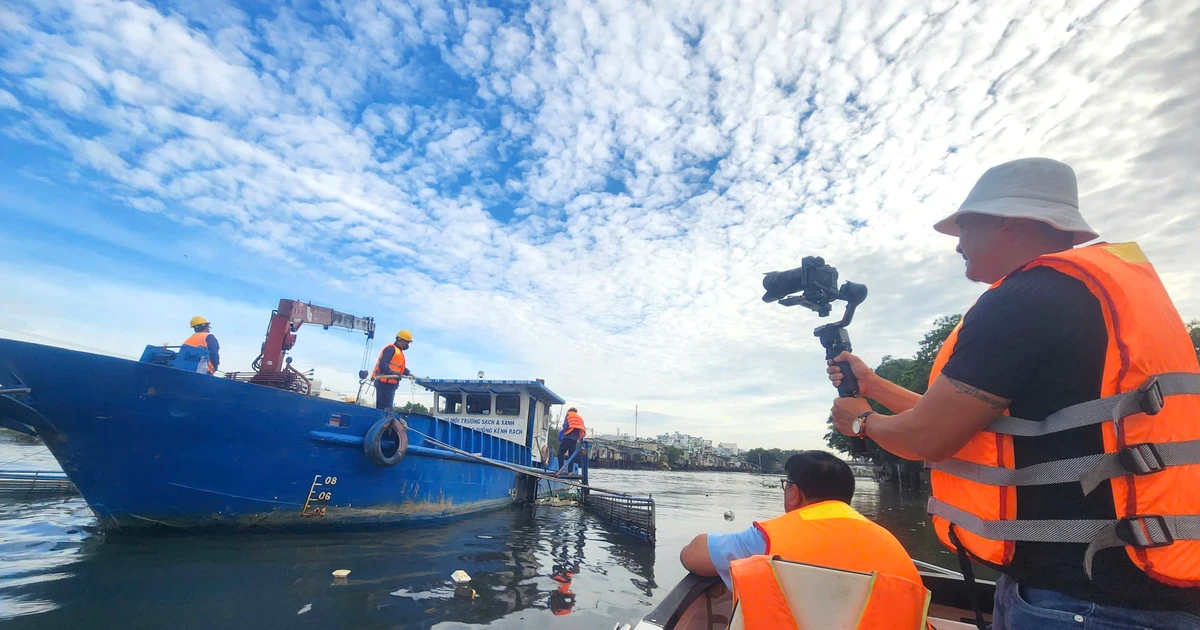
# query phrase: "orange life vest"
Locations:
[[200, 340], [575, 424], [1149, 413], [831, 534], [396, 365]]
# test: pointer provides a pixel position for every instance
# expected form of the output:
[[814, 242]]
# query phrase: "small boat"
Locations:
[[160, 443], [704, 603]]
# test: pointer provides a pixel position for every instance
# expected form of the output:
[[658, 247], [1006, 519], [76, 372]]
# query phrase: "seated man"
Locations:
[[818, 527]]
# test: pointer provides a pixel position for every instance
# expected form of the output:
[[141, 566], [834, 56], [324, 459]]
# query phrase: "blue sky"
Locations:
[[583, 192]]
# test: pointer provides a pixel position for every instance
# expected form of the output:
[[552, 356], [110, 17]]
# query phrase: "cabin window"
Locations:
[[449, 404], [508, 404], [480, 404]]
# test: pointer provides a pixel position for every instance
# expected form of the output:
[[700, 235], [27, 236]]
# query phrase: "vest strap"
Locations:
[[1148, 399], [1141, 459], [1090, 470], [1143, 530]]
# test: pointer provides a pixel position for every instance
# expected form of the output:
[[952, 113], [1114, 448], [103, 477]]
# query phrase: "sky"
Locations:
[[585, 192]]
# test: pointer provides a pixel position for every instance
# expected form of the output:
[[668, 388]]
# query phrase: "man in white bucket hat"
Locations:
[[1089, 512]]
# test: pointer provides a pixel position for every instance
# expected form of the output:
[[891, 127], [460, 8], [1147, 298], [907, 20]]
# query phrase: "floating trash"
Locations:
[[729, 515], [307, 607], [341, 573], [460, 578]]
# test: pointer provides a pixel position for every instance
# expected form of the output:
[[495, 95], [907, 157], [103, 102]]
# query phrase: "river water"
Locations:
[[531, 567]]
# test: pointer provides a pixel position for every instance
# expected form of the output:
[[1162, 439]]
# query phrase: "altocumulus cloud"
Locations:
[[596, 188]]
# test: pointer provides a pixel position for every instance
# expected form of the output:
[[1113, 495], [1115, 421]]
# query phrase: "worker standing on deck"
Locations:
[[818, 527], [1088, 508], [571, 435], [389, 369], [203, 338]]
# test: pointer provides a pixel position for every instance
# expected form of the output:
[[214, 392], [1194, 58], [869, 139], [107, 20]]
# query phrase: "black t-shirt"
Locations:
[[1039, 340]]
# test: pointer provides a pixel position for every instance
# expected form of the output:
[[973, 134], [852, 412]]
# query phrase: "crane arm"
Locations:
[[297, 312], [287, 319]]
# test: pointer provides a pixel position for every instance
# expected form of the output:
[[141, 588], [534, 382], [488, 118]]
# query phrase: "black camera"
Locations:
[[815, 281]]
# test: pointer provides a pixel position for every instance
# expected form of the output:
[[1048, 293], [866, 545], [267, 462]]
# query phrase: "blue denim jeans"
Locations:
[[1024, 608]]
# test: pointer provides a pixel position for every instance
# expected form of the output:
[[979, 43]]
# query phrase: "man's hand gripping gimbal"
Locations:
[[813, 285]]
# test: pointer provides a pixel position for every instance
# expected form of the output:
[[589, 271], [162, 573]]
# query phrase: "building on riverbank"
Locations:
[[623, 451], [669, 451]]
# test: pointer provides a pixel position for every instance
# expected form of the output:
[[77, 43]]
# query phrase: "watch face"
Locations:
[[856, 426]]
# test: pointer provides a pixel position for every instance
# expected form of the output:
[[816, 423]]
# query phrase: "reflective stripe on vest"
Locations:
[[761, 601], [200, 340], [575, 423], [1149, 412], [767, 608], [396, 365]]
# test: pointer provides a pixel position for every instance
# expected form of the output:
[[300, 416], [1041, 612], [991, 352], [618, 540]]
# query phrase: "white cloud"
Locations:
[[7, 100], [656, 160]]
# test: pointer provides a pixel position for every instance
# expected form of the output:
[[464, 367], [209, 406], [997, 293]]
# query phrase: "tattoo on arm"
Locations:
[[975, 393]]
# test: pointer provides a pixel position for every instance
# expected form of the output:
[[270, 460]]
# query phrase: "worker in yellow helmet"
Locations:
[[203, 338], [389, 369]]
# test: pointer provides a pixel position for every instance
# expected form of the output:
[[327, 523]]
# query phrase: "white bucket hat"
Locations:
[[1040, 189]]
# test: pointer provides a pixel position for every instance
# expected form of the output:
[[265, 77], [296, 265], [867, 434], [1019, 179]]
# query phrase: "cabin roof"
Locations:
[[480, 386]]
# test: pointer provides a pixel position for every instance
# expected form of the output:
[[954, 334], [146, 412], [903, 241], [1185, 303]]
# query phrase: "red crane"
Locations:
[[272, 368]]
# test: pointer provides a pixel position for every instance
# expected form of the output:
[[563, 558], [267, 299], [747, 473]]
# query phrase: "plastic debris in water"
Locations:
[[465, 592], [307, 607], [729, 515], [460, 578], [341, 573]]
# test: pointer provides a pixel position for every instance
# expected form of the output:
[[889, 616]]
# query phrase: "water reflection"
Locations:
[[531, 568], [521, 560]]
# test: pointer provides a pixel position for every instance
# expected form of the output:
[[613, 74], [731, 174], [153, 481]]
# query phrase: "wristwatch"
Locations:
[[859, 426]]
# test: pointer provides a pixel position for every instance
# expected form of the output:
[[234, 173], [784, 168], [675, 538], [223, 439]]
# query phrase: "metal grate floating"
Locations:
[[634, 515]]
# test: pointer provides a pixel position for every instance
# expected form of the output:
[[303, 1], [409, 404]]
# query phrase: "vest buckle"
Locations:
[[1141, 459], [1150, 397], [1145, 531]]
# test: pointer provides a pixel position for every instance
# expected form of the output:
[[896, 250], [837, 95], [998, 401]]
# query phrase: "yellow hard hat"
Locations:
[[405, 335], [198, 321]]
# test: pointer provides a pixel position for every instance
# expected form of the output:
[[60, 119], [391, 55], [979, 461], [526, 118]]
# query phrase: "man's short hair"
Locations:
[[821, 476]]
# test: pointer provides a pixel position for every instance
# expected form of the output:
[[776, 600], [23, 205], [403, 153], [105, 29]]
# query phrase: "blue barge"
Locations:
[[150, 445]]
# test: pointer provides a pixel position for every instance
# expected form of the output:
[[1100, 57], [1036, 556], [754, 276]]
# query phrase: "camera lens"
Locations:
[[780, 284]]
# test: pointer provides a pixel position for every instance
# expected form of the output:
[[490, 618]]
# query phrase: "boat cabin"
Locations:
[[516, 411]]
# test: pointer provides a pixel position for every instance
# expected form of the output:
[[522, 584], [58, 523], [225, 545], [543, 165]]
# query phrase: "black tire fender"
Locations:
[[374, 439]]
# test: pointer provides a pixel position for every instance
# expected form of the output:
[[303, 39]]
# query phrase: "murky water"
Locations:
[[538, 567]]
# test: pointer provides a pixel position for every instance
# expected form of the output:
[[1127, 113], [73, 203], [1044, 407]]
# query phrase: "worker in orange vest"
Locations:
[[818, 527], [1061, 420], [390, 368], [202, 337], [571, 435]]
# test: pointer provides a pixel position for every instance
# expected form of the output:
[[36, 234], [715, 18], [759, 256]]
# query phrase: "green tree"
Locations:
[[674, 456], [1194, 331], [771, 459], [911, 374], [413, 407]]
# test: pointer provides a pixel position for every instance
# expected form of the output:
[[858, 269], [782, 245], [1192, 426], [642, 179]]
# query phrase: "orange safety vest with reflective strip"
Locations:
[[200, 340], [1149, 414], [396, 365], [575, 424], [831, 534]]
